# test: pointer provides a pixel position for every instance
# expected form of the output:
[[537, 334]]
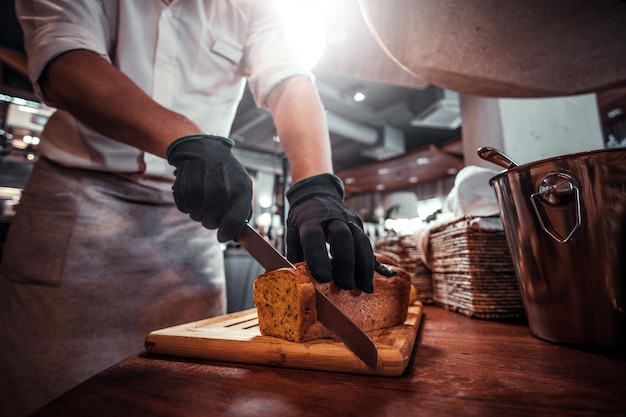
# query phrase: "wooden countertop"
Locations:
[[460, 366]]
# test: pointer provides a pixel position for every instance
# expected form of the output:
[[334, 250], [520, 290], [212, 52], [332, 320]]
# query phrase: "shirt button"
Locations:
[[168, 13]]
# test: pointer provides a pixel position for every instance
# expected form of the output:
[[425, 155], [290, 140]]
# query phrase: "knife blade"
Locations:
[[327, 312]]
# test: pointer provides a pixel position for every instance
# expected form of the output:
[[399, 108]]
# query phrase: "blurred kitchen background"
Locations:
[[398, 140]]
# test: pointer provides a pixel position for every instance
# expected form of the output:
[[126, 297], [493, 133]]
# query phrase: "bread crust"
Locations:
[[286, 306]]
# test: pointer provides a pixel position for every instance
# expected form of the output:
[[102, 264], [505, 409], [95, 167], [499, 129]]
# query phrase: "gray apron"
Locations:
[[93, 262]]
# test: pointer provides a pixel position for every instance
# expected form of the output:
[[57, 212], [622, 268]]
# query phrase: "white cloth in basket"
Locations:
[[471, 196]]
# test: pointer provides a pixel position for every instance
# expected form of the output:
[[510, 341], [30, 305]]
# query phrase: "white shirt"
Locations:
[[191, 56]]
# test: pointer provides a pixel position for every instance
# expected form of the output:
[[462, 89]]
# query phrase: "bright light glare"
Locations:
[[27, 109], [30, 140], [427, 207], [403, 227], [265, 201], [359, 97], [304, 30], [264, 220]]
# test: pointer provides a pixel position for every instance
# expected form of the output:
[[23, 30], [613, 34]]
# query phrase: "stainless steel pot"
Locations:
[[565, 223]]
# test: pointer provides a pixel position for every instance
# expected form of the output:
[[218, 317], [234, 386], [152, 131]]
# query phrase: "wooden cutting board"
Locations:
[[236, 337]]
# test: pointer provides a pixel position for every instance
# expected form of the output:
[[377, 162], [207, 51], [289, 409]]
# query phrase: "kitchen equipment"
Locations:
[[565, 223], [327, 313], [493, 155], [236, 338]]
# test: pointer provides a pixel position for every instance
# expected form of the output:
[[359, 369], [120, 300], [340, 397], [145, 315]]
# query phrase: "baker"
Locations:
[[101, 251]]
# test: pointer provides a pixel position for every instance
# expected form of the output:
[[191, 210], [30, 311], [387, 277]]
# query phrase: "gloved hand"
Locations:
[[317, 215], [211, 185]]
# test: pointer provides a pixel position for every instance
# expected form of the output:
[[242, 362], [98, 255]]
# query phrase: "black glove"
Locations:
[[211, 185], [317, 215]]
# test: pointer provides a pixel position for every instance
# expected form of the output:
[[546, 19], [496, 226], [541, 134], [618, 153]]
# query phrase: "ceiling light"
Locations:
[[413, 180], [349, 180], [383, 171], [422, 160], [380, 187], [359, 96], [613, 113]]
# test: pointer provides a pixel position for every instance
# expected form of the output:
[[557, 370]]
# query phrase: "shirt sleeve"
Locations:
[[269, 58], [52, 27]]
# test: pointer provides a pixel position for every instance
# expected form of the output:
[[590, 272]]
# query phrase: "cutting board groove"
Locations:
[[236, 337]]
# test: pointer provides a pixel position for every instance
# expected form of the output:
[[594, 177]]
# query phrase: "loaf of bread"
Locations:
[[286, 305]]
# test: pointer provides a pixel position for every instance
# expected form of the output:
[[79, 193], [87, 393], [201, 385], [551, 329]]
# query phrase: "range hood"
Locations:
[[443, 113], [390, 144], [379, 144]]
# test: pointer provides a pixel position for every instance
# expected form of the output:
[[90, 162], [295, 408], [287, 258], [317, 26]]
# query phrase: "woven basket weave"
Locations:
[[404, 250], [472, 271]]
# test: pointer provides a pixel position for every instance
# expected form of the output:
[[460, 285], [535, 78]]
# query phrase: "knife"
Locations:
[[327, 313]]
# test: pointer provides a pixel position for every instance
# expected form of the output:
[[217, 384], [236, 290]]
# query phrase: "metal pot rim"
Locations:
[[572, 156]]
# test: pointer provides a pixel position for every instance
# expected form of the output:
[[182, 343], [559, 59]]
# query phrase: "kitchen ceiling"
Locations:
[[403, 119], [366, 133]]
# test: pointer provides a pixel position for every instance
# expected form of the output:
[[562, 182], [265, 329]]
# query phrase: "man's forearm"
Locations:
[[301, 125], [100, 96]]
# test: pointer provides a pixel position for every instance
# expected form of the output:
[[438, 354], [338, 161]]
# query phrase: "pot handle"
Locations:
[[556, 189]]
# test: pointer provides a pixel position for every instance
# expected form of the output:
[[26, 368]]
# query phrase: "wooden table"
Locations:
[[460, 366]]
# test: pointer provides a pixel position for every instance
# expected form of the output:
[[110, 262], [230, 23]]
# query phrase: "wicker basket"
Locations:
[[472, 271], [404, 250]]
